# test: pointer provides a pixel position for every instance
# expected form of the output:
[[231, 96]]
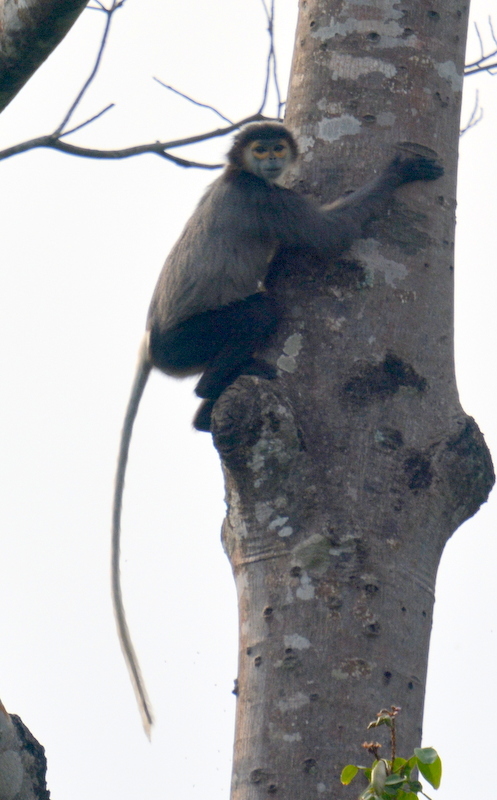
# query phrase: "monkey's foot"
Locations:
[[202, 419], [216, 378], [260, 369], [418, 168]]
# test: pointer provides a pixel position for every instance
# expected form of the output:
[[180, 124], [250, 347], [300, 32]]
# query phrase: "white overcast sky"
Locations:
[[82, 243]]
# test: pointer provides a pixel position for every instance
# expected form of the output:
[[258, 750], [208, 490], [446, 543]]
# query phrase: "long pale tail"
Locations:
[[142, 372]]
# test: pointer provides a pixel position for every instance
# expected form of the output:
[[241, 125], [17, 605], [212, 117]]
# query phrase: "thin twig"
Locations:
[[271, 62], [275, 66], [480, 40], [268, 62], [92, 119], [201, 137], [490, 25], [393, 740], [473, 120], [195, 102], [109, 12]]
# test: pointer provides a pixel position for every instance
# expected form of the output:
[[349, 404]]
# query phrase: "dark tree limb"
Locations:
[[28, 34]]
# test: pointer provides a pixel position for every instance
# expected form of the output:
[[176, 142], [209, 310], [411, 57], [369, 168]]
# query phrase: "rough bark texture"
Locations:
[[23, 764], [346, 476], [29, 31]]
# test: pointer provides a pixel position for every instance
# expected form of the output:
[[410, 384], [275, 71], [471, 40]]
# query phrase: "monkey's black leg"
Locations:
[[221, 343], [251, 322], [230, 333], [189, 346]]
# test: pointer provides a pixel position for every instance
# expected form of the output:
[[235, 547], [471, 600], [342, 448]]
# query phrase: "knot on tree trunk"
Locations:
[[270, 480], [469, 471], [253, 426]]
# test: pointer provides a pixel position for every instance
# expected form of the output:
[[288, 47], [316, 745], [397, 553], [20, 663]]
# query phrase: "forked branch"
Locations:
[[54, 139]]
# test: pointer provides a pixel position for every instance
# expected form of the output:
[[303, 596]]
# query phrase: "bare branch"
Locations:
[[482, 64], [490, 68], [195, 102], [128, 152], [52, 141], [474, 119], [109, 12]]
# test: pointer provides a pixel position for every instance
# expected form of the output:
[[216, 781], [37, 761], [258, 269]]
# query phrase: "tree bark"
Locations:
[[346, 476], [23, 764], [29, 31]]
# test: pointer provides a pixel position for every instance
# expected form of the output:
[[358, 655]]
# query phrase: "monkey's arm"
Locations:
[[348, 215], [331, 229]]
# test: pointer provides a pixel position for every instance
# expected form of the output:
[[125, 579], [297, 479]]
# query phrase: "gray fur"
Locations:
[[223, 256], [220, 257], [229, 241]]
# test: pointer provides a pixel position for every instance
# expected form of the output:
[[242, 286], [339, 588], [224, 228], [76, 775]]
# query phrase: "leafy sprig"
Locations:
[[392, 779]]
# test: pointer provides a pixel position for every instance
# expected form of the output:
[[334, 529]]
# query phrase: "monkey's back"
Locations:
[[223, 252]]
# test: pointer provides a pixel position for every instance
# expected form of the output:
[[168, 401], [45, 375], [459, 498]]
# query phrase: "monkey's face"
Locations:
[[267, 158]]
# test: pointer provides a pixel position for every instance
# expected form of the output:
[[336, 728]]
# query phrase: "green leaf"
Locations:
[[416, 786], [432, 772], [427, 755], [367, 774], [379, 775], [406, 795], [394, 780], [383, 720], [398, 763], [348, 773]]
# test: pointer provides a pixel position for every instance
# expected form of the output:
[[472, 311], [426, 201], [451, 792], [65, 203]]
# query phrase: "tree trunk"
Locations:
[[29, 31], [346, 476]]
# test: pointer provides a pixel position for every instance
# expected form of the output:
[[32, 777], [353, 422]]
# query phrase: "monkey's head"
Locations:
[[265, 149]]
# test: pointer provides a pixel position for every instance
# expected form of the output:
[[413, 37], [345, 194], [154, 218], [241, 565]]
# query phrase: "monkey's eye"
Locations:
[[259, 150], [280, 149]]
